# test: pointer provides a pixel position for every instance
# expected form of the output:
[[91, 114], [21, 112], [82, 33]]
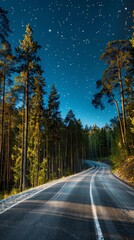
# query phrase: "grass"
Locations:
[[6, 194], [126, 170]]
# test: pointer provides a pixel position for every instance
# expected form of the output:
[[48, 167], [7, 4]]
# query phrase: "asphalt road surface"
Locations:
[[90, 205]]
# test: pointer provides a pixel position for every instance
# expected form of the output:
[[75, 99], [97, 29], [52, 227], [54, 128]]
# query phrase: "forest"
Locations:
[[36, 144]]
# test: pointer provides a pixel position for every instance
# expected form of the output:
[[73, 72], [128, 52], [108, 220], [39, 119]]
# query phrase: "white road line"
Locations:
[[96, 221]]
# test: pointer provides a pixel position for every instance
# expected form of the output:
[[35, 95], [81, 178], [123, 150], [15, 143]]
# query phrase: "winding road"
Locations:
[[93, 204]]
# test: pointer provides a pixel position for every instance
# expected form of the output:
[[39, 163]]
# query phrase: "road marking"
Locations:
[[96, 221]]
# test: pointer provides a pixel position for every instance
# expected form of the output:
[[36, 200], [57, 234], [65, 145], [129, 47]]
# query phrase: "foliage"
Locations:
[[42, 172]]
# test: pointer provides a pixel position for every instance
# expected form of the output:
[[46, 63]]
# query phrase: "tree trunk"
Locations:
[[9, 153], [66, 151], [2, 136], [71, 148], [122, 100], [26, 134], [48, 159], [22, 154], [60, 160], [120, 123]]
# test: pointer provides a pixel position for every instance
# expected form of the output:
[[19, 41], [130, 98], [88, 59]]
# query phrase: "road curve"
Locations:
[[90, 205]]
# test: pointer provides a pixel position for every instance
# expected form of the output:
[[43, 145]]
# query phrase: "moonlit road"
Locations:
[[90, 205]]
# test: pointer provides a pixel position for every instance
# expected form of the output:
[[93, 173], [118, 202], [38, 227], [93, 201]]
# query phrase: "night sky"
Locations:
[[73, 35]]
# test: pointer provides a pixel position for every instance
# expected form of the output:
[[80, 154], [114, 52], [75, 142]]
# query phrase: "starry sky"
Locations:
[[73, 35]]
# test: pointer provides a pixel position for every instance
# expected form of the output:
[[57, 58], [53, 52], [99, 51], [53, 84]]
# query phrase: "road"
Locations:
[[90, 205]]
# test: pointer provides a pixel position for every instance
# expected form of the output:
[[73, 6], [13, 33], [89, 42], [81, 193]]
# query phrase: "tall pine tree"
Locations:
[[53, 124], [6, 67], [28, 65]]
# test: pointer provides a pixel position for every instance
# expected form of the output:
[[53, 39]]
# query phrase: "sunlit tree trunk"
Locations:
[[26, 134], [22, 153], [122, 101], [120, 122], [2, 135], [9, 152]]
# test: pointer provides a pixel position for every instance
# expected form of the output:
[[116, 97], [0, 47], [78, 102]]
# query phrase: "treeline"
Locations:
[[100, 142], [36, 144], [105, 143]]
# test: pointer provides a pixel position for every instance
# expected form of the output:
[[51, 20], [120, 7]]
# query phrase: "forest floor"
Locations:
[[126, 171]]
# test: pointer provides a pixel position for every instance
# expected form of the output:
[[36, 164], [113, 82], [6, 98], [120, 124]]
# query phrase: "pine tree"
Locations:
[[9, 137], [4, 25], [70, 122], [6, 68], [36, 129], [53, 123], [28, 65]]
